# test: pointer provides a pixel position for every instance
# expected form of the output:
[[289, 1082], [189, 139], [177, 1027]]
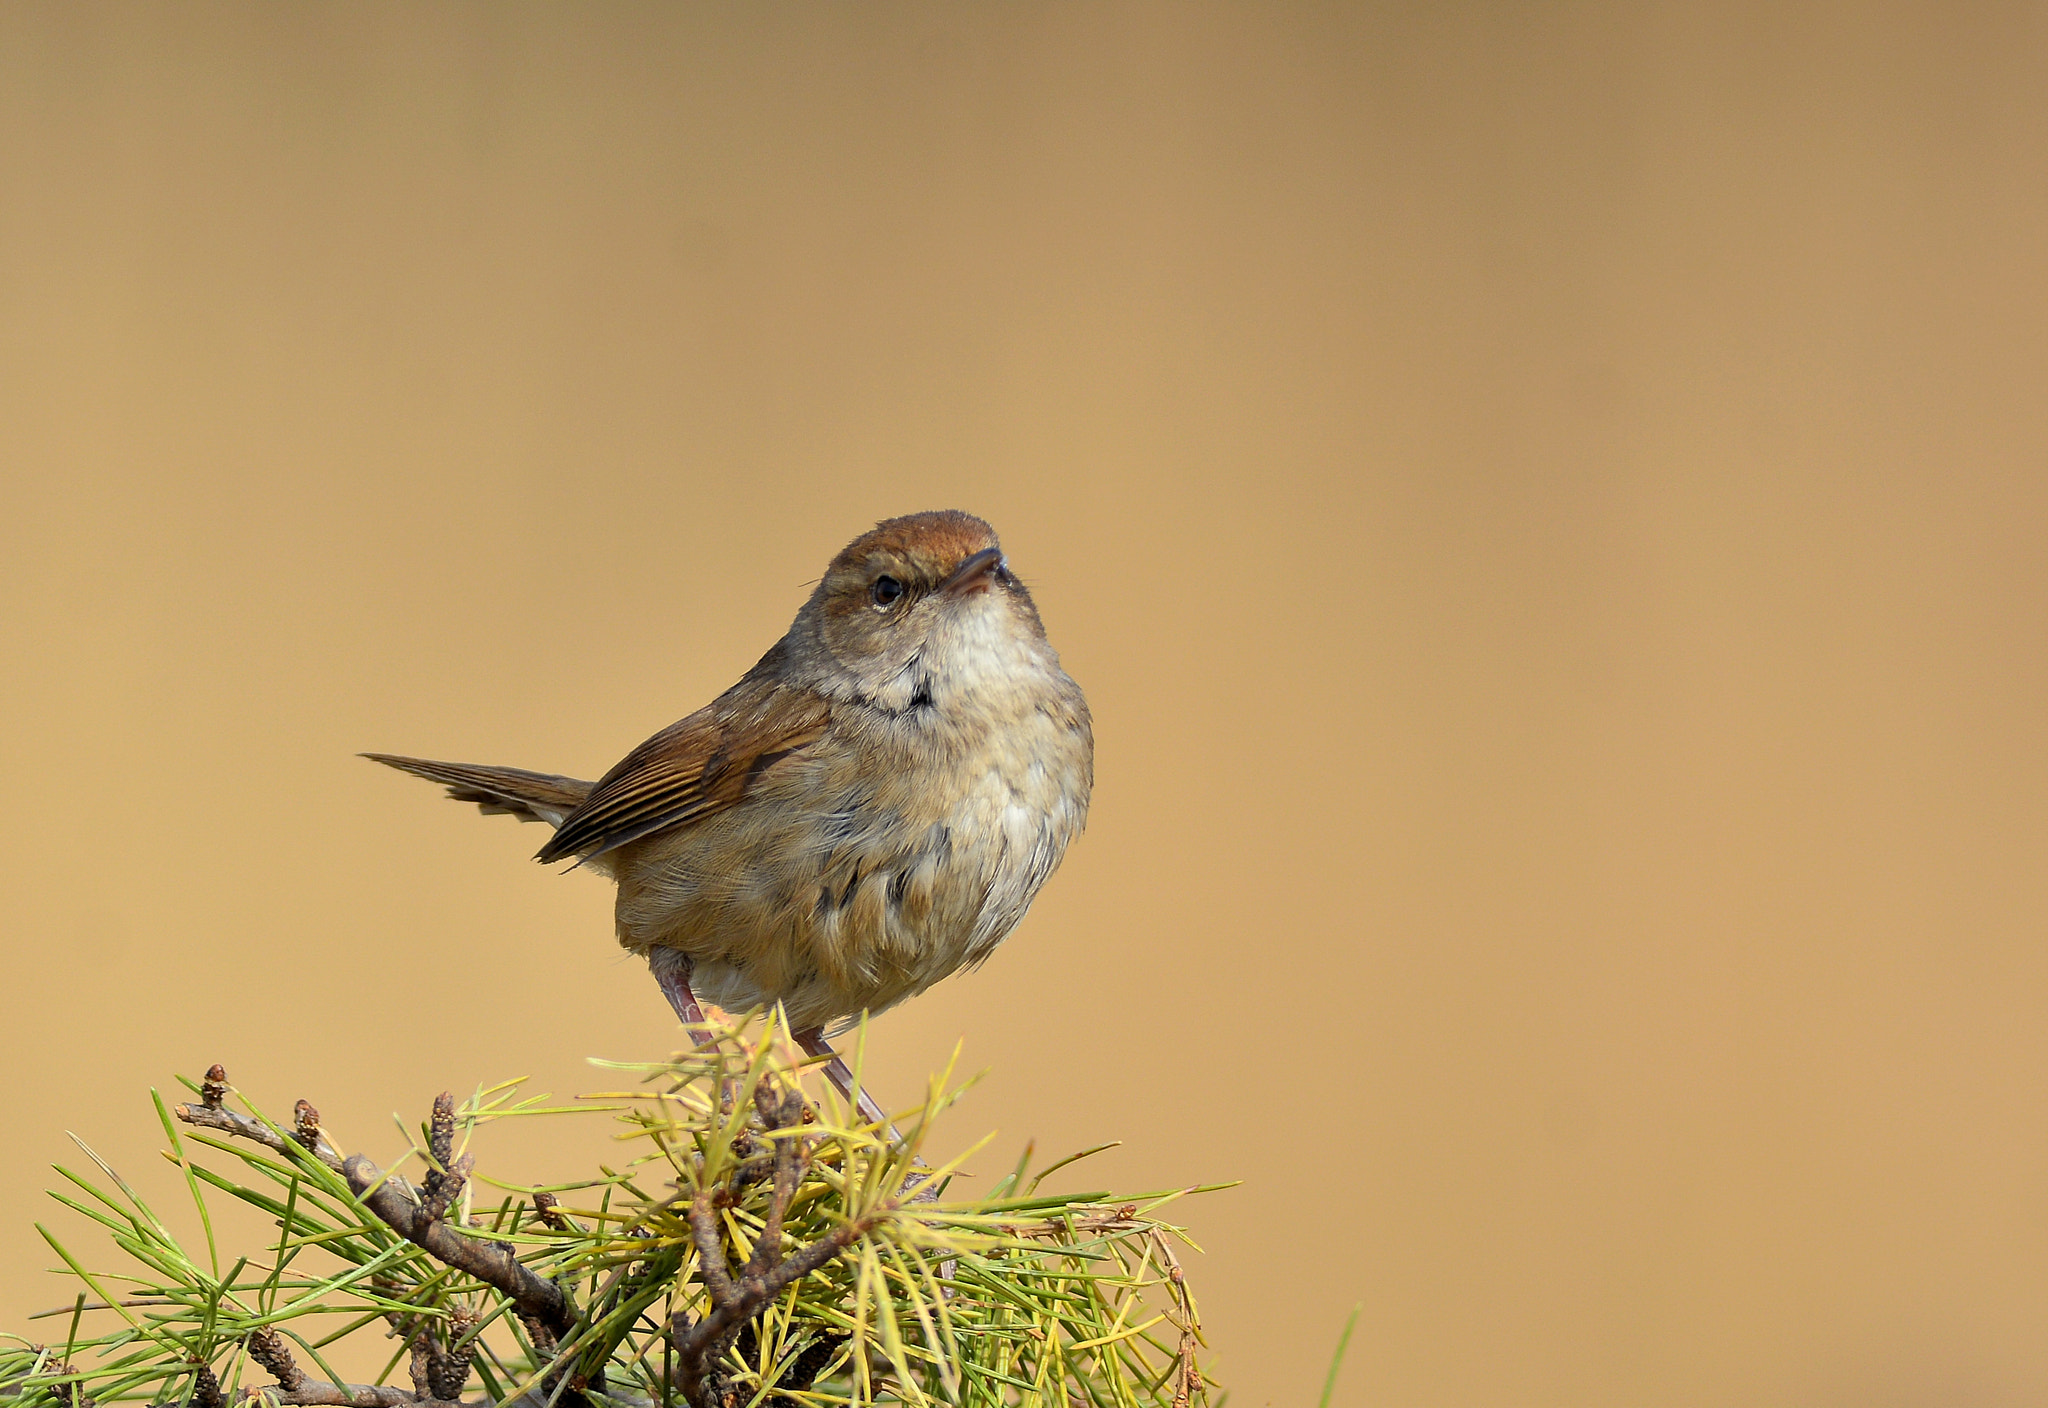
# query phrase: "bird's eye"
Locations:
[[887, 590]]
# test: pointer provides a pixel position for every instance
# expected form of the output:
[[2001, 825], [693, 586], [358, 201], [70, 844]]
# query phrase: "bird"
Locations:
[[871, 808]]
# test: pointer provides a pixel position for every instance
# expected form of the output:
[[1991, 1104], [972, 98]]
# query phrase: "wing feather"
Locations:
[[694, 768]]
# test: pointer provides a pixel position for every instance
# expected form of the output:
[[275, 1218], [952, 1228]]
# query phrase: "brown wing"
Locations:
[[692, 769]]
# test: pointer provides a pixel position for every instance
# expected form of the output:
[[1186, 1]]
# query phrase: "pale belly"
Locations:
[[834, 890]]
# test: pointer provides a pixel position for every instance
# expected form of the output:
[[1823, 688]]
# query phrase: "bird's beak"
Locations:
[[973, 574]]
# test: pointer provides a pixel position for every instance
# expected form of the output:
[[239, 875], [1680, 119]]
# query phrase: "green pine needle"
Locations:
[[1337, 1359]]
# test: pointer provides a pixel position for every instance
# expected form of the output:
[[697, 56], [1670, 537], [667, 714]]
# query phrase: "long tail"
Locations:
[[530, 796]]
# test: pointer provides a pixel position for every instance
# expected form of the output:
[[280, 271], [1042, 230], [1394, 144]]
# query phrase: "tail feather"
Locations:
[[530, 796]]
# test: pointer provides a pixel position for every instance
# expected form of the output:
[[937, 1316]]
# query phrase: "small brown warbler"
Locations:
[[871, 808]]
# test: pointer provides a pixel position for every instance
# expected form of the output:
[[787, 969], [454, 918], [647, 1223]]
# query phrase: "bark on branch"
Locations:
[[255, 1131], [534, 1296]]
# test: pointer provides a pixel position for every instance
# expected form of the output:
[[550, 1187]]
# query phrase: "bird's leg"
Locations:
[[919, 1184], [813, 1041], [671, 969]]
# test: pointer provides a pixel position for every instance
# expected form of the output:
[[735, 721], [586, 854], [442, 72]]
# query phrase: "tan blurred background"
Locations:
[[1547, 503]]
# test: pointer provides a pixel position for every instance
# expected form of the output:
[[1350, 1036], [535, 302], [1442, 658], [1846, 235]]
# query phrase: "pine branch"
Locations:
[[758, 1249]]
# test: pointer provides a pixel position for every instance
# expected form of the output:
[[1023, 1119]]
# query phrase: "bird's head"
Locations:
[[919, 609]]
